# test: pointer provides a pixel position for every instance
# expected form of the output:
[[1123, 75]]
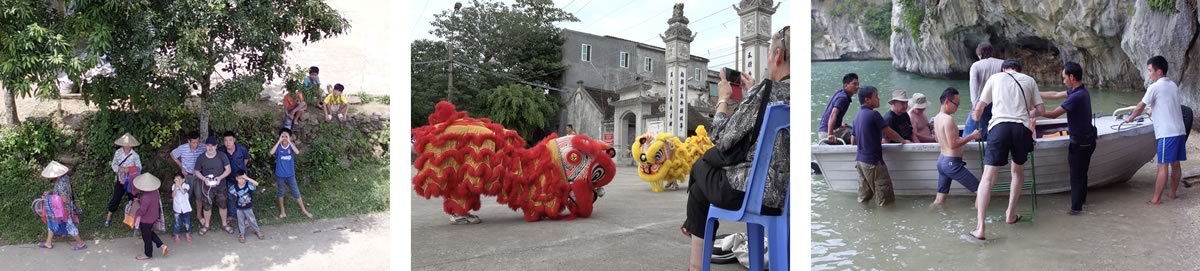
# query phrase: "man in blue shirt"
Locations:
[[874, 181], [239, 157], [1078, 108], [831, 127]]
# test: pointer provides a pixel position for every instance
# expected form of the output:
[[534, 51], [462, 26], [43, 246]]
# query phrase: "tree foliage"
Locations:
[[494, 45], [36, 44], [165, 51], [520, 108]]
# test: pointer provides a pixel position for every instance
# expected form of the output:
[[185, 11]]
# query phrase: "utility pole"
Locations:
[[450, 57]]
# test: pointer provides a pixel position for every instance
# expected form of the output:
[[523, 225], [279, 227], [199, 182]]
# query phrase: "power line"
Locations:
[[584, 6], [567, 5], [509, 77], [609, 13]]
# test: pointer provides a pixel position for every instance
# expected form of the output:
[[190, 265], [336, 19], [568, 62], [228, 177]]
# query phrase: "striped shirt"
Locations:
[[187, 156]]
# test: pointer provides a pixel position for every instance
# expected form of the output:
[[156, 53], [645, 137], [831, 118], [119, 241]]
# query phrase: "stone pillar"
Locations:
[[677, 38], [756, 35]]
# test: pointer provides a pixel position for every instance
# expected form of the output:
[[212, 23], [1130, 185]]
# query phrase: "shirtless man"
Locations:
[[950, 164], [920, 122]]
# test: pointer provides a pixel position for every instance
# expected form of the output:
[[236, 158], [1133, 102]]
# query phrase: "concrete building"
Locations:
[[618, 89]]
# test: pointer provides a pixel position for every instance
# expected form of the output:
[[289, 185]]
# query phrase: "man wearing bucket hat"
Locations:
[[126, 164], [921, 131], [148, 213], [897, 118], [211, 169], [61, 212]]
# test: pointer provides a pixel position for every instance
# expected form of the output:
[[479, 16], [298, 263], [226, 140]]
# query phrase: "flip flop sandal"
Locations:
[[141, 258], [166, 251], [229, 229], [203, 230], [43, 245], [79, 247], [260, 236], [1015, 221], [242, 239]]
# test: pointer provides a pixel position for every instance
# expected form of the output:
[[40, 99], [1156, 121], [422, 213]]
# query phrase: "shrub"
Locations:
[[878, 20], [912, 15], [1167, 6]]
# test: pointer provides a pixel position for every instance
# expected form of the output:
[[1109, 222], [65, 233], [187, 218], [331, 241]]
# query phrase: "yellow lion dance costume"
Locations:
[[664, 161]]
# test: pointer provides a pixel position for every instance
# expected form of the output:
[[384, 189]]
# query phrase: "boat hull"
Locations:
[[1120, 152]]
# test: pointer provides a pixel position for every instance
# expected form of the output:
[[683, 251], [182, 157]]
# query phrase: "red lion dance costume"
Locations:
[[460, 158]]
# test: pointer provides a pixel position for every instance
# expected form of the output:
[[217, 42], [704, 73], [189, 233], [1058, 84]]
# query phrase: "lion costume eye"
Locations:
[[597, 173], [658, 156], [573, 157]]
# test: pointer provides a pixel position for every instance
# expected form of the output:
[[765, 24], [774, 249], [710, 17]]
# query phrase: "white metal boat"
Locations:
[[1121, 150]]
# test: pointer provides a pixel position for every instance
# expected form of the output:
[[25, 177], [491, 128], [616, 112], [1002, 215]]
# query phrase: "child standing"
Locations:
[[245, 206], [183, 209]]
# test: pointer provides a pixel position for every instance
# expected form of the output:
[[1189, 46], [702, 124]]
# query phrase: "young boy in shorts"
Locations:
[[1163, 99]]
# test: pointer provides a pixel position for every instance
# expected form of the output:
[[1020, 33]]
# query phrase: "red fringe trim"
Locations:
[[525, 179]]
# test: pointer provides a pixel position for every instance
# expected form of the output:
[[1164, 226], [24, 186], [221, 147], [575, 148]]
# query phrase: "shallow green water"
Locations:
[[827, 79]]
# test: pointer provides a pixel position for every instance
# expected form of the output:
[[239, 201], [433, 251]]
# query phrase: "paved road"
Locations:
[[320, 245], [631, 229]]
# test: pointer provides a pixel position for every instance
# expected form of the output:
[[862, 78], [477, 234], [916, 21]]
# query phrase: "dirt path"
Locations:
[[320, 245]]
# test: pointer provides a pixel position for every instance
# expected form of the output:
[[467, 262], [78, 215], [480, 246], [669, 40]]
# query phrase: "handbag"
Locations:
[[129, 214], [161, 225]]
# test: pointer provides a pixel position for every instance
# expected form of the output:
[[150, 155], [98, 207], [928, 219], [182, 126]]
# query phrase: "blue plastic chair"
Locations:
[[776, 119]]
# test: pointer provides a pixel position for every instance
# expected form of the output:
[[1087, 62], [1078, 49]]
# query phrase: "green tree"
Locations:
[[36, 44], [221, 51], [521, 108], [494, 44]]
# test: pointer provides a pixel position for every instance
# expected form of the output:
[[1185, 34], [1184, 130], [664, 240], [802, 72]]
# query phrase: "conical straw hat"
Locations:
[[54, 170], [146, 182], [127, 140]]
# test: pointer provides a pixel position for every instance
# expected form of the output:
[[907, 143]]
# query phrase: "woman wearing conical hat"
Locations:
[[62, 190], [149, 212], [126, 164]]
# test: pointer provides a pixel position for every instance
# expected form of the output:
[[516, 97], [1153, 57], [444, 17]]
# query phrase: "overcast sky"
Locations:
[[637, 20]]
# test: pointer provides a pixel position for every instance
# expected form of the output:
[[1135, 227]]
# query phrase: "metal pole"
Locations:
[[450, 57]]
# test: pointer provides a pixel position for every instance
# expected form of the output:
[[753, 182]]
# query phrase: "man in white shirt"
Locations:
[[1015, 102], [980, 72], [1163, 99]]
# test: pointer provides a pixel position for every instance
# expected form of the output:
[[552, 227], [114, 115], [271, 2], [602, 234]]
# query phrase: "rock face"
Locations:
[[1042, 34], [844, 37], [1111, 39]]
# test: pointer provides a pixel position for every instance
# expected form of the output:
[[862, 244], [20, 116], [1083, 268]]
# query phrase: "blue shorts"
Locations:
[[1171, 149], [287, 182]]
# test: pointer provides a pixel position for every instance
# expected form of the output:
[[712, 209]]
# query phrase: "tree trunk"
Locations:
[[203, 112], [8, 114]]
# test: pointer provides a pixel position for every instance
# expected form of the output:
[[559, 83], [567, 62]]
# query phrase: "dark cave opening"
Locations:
[[1039, 57]]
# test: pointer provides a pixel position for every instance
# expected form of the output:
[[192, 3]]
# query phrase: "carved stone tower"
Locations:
[[756, 34], [677, 38]]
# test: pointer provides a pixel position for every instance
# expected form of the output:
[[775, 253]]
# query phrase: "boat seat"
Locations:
[[1028, 188]]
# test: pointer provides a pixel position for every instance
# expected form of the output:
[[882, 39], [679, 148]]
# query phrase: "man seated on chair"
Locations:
[[720, 177]]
